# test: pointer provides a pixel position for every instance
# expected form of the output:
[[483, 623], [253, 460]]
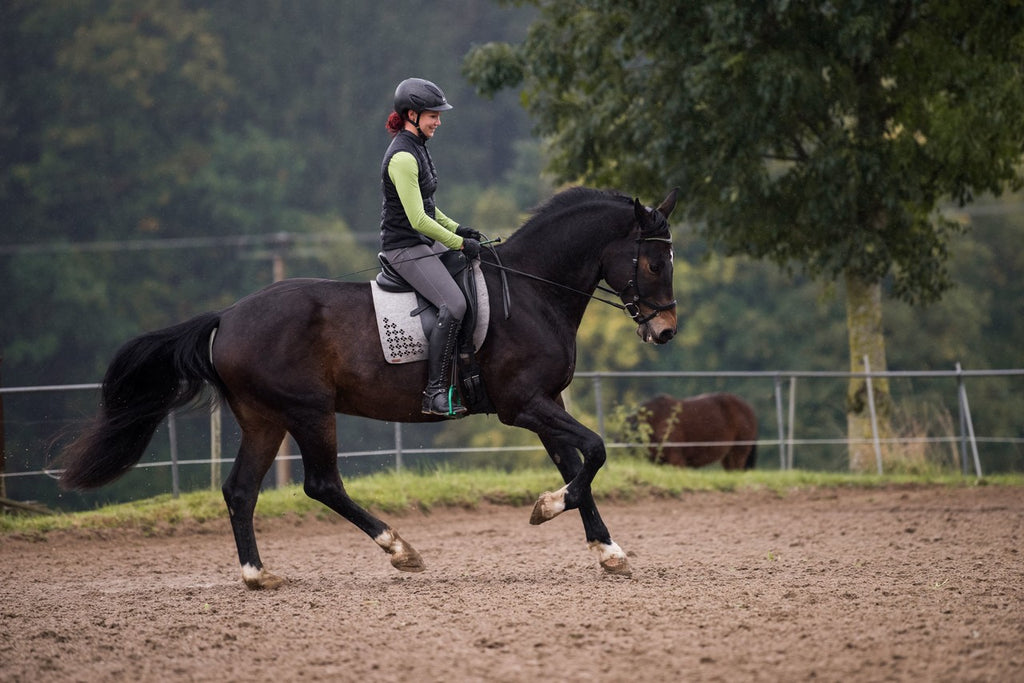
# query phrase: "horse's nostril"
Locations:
[[666, 335]]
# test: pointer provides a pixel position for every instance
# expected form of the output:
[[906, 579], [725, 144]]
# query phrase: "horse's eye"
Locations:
[[655, 266]]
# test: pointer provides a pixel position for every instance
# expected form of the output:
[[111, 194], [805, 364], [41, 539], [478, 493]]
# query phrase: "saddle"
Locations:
[[468, 380]]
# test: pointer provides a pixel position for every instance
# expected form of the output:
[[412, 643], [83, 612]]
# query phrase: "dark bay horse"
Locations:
[[288, 357], [685, 432]]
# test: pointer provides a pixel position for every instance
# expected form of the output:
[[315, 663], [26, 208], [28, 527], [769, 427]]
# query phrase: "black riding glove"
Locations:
[[470, 247], [468, 233]]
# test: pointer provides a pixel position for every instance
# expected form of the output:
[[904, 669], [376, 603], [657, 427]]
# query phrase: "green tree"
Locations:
[[129, 120], [820, 136], [106, 111]]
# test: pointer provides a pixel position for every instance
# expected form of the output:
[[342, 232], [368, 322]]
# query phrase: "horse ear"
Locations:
[[640, 211], [669, 203]]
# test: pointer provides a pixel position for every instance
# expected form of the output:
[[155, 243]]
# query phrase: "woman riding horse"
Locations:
[[287, 358], [414, 231]]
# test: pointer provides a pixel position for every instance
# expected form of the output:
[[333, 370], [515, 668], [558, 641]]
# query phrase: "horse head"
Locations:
[[646, 274]]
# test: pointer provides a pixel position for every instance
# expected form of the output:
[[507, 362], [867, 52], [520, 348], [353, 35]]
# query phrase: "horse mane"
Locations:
[[576, 195], [564, 201]]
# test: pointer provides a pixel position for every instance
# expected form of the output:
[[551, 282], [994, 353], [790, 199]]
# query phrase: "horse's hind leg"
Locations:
[[317, 442], [610, 555], [260, 442]]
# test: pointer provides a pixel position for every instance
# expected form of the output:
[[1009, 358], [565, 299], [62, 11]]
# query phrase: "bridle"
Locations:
[[632, 309]]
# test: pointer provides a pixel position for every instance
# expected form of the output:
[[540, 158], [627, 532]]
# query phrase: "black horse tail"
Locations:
[[751, 458], [149, 376]]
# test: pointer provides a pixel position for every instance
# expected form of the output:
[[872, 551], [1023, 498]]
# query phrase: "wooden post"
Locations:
[[282, 467], [215, 445]]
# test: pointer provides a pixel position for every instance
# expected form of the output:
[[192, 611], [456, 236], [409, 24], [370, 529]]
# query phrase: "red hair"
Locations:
[[395, 123]]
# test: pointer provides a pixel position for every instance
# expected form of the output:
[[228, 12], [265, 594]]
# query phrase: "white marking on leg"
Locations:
[[386, 540], [257, 578], [251, 574]]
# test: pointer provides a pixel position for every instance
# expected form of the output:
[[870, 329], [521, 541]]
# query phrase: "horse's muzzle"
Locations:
[[657, 331]]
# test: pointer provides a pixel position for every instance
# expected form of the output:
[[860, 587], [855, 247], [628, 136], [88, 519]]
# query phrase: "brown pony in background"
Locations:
[[698, 431]]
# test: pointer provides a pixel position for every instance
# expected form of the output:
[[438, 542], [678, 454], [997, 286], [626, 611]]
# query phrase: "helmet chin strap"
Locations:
[[417, 124]]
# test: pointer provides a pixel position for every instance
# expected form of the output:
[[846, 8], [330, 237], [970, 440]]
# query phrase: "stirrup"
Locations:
[[445, 407]]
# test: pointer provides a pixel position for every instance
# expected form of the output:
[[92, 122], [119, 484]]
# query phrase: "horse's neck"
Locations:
[[574, 266], [573, 262]]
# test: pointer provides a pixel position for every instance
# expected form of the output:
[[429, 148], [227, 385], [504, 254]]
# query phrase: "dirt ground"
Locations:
[[918, 584]]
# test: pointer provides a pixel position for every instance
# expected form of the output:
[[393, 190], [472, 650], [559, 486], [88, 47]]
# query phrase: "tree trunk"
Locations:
[[864, 327]]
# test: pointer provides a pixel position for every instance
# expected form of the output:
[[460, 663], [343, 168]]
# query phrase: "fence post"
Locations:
[[874, 417], [172, 432], [965, 412], [215, 445], [283, 466], [398, 447], [792, 422], [778, 417], [964, 467], [597, 406]]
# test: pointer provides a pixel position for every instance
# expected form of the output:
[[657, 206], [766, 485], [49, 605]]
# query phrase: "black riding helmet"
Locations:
[[419, 95]]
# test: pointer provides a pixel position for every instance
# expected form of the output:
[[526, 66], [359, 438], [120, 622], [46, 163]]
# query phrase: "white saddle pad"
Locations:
[[401, 334]]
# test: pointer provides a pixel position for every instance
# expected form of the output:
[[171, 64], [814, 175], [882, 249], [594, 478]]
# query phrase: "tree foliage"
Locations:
[[129, 121], [819, 135], [124, 121]]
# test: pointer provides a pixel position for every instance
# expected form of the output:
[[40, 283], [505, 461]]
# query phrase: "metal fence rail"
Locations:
[[785, 422]]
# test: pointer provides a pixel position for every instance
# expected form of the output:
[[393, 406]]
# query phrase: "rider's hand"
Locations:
[[468, 233], [471, 248]]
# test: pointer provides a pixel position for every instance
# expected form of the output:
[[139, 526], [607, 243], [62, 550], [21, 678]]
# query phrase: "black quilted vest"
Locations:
[[395, 230]]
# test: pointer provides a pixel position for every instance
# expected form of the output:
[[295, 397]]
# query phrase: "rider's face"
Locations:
[[429, 122]]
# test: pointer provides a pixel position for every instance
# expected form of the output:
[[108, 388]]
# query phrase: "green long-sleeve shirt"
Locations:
[[404, 173]]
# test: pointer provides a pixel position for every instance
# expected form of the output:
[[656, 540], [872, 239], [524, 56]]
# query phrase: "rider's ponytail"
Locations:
[[395, 124]]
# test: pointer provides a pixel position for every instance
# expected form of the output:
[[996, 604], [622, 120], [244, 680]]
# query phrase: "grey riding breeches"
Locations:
[[421, 268]]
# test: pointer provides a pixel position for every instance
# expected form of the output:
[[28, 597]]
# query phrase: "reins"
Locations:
[[632, 309], [538, 278]]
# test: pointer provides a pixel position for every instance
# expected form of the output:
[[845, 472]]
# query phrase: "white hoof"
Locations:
[[548, 506], [612, 559]]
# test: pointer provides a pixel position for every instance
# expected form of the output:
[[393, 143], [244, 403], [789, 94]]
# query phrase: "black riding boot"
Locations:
[[439, 366]]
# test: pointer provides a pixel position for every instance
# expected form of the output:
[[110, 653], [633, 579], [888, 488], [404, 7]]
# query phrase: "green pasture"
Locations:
[[394, 493]]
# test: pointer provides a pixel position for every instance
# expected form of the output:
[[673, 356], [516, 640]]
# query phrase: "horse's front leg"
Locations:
[[560, 432], [568, 462]]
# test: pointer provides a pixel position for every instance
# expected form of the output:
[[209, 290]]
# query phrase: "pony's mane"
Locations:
[[567, 199], [576, 195]]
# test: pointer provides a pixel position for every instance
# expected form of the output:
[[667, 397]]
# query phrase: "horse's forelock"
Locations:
[[659, 226]]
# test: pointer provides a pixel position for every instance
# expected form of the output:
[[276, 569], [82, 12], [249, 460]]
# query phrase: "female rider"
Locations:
[[414, 232]]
